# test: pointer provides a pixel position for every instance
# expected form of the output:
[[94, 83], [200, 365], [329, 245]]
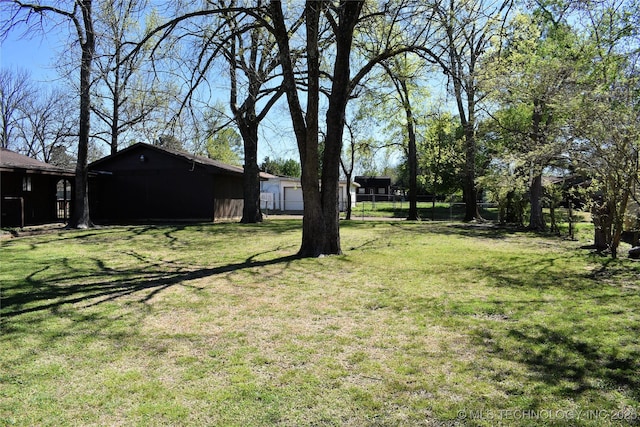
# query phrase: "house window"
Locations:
[[26, 183], [382, 190], [362, 190], [63, 199]]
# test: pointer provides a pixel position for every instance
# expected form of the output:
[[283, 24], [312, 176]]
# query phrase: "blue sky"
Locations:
[[35, 54], [38, 55]]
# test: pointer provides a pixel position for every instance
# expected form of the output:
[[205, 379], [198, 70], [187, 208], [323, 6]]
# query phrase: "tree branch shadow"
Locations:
[[565, 361], [152, 279], [567, 358]]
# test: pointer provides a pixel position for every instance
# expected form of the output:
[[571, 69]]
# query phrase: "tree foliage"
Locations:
[[534, 75], [281, 167], [225, 146], [606, 119], [127, 93]]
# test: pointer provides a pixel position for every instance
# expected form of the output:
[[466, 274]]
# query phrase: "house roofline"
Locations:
[[200, 160], [11, 161]]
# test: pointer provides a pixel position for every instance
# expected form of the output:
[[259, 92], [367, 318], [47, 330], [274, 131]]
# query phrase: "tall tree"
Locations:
[[126, 92], [321, 230], [468, 29], [80, 15], [305, 125], [402, 74], [251, 52], [395, 99], [534, 76], [607, 117]]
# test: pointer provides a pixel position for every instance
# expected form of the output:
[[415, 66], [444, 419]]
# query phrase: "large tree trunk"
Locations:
[[330, 182], [305, 127], [469, 185], [536, 218], [321, 222], [538, 139], [251, 212], [413, 156], [618, 220], [80, 217], [313, 229], [340, 90], [601, 218]]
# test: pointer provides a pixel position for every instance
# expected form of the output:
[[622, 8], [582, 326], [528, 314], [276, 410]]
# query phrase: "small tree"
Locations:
[[441, 162], [608, 153], [281, 167]]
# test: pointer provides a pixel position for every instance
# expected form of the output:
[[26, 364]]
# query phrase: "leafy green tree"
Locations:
[[441, 162], [281, 167], [468, 31], [505, 179], [225, 146], [395, 101], [606, 118], [534, 76]]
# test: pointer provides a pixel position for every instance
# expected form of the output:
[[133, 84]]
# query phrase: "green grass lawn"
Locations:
[[400, 209], [218, 324], [426, 210]]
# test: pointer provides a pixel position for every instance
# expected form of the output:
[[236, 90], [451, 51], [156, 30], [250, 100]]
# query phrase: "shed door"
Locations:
[[293, 199]]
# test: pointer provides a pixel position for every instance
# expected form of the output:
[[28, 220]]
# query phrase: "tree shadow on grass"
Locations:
[[573, 331], [574, 365], [108, 284]]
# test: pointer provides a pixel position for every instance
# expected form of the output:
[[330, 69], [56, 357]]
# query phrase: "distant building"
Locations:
[[284, 194], [373, 187]]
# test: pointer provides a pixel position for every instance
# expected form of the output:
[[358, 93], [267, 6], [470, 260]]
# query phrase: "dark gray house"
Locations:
[[149, 183], [32, 192], [373, 188]]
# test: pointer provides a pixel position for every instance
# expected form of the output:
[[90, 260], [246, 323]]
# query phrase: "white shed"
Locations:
[[284, 194]]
